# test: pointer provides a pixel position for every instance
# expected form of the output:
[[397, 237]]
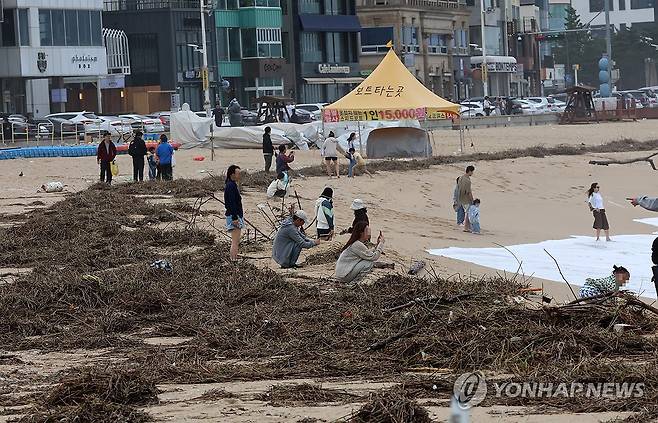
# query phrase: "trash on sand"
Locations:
[[198, 158], [53, 187], [162, 265], [416, 267]]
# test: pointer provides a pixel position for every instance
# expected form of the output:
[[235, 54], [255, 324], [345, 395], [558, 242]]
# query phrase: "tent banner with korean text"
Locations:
[[390, 92]]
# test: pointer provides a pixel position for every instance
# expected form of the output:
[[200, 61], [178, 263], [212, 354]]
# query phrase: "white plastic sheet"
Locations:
[[580, 257], [189, 128]]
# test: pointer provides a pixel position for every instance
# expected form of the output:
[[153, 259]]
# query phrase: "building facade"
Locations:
[[43, 42], [321, 46], [431, 36], [250, 49], [623, 13], [164, 38]]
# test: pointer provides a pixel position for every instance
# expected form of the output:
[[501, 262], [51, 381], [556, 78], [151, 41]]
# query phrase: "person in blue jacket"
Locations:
[[233, 204], [165, 154]]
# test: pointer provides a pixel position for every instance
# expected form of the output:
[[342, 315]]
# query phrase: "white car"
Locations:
[[471, 110], [314, 108], [143, 123], [116, 126], [528, 107], [91, 122]]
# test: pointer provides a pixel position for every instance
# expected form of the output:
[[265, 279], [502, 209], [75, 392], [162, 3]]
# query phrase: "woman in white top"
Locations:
[[595, 201], [330, 150], [356, 260]]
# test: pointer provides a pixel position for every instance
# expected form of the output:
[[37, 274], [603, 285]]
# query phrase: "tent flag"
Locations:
[[390, 92]]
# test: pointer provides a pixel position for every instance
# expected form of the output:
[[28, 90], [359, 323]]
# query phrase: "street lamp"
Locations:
[[484, 74]]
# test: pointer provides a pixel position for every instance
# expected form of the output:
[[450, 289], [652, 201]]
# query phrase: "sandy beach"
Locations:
[[524, 200]]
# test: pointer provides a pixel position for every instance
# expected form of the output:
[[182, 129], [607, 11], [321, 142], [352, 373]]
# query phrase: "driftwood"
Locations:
[[648, 159], [439, 300]]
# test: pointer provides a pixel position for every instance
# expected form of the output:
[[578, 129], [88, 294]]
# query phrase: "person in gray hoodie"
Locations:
[[649, 203], [290, 241]]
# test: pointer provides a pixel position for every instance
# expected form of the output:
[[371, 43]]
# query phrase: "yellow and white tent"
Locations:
[[391, 92]]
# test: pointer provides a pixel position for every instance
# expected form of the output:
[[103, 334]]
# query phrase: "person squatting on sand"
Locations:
[[324, 212], [474, 216], [278, 187], [593, 287], [356, 260], [234, 212], [289, 241], [465, 197], [330, 153], [595, 202], [105, 153]]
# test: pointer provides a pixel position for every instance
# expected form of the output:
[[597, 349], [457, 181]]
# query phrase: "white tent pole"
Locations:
[[358, 126]]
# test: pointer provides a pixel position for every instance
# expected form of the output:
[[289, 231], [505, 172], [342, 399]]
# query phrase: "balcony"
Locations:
[[422, 4], [119, 5]]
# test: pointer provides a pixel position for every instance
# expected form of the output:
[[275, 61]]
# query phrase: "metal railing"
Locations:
[[119, 5], [433, 4]]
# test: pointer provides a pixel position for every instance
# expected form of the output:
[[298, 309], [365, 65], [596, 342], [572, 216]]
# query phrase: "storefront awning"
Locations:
[[319, 80], [330, 23], [345, 80]]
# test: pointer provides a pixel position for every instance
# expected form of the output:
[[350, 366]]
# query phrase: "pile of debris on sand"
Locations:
[[93, 286]]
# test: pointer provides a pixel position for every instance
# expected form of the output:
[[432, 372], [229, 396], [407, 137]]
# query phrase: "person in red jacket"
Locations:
[[106, 152]]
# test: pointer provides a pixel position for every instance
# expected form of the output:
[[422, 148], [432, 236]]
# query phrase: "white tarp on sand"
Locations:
[[252, 136], [189, 128], [579, 257]]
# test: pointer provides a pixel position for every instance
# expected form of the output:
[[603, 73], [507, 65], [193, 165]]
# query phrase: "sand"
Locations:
[[523, 200]]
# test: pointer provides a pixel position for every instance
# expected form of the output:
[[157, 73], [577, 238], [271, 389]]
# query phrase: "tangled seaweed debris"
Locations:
[[284, 395], [96, 395], [391, 406]]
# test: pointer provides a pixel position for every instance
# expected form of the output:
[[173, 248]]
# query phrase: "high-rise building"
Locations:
[[321, 44], [250, 49], [41, 44], [431, 36], [623, 13], [165, 51]]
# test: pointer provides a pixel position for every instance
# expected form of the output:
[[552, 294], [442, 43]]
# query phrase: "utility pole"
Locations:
[[608, 44], [205, 78], [484, 72]]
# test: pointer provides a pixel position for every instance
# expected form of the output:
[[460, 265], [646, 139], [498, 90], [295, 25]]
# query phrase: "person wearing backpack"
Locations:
[[137, 150]]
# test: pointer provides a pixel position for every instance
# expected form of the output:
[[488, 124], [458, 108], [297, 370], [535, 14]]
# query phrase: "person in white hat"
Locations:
[[360, 213], [289, 241]]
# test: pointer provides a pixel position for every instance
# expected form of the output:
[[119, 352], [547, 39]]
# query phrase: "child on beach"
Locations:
[[474, 216], [612, 283], [153, 165]]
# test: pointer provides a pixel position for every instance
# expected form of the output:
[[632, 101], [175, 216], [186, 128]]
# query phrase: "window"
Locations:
[[84, 27], [45, 30], [311, 48], [59, 35], [335, 7], [285, 47], [234, 44], [598, 5], [374, 40], [24, 28], [337, 47], [8, 29], [71, 18], [309, 6], [622, 4], [641, 4], [144, 60], [96, 29], [248, 42], [269, 42]]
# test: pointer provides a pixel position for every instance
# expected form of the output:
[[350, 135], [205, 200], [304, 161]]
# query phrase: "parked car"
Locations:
[[543, 104], [559, 106], [652, 93], [528, 107], [469, 110], [91, 122], [65, 128], [643, 98], [249, 118], [628, 99], [117, 127], [143, 123], [314, 108], [165, 118], [300, 115]]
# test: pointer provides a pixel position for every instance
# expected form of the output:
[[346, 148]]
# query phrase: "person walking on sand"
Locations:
[[465, 195], [283, 160], [350, 141], [164, 154], [289, 241], [137, 150], [595, 202], [330, 149], [218, 114], [268, 149], [105, 154], [474, 216], [234, 212]]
